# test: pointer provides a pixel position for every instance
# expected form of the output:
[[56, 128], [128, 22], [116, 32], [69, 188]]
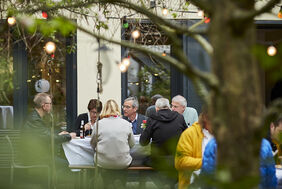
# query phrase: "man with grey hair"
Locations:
[[151, 109], [164, 128], [130, 107], [179, 104]]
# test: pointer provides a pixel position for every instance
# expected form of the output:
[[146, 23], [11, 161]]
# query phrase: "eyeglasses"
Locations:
[[174, 106], [126, 107], [93, 112]]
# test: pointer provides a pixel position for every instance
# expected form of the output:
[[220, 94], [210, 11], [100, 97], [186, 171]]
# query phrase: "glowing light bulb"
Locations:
[[11, 21], [126, 62], [201, 13], [44, 14], [122, 67], [164, 53], [271, 50], [165, 11], [135, 34], [280, 13], [207, 20], [50, 47]]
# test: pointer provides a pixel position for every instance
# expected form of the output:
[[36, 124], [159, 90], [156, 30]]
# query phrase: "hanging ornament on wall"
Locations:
[[42, 86]]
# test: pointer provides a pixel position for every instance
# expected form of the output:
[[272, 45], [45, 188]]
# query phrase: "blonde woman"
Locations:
[[113, 142]]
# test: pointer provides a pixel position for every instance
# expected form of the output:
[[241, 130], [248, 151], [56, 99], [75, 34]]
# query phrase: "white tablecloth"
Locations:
[[6, 117], [79, 151]]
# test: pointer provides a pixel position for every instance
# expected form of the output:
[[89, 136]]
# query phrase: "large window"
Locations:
[[47, 73], [146, 75], [269, 34], [26, 69]]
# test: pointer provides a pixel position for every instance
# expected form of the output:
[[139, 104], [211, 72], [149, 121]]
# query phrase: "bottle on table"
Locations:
[[81, 131]]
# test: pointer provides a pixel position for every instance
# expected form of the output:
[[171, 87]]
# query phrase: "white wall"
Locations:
[[87, 57]]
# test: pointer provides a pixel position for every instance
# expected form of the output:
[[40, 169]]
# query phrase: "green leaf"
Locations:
[[174, 15]]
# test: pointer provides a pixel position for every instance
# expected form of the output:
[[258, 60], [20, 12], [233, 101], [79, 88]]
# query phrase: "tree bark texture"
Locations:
[[238, 104]]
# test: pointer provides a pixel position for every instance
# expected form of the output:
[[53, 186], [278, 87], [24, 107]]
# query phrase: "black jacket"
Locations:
[[36, 140], [164, 128], [77, 124]]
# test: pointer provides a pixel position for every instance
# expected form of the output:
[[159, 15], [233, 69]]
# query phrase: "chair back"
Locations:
[[10, 144], [5, 153]]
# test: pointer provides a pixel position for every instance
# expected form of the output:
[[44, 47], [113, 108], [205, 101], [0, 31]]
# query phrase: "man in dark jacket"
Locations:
[[164, 128], [36, 144]]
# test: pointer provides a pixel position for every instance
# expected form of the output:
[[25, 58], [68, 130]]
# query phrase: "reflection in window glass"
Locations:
[[47, 73]]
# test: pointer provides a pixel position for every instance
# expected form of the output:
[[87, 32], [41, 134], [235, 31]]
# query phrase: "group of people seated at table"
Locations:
[[181, 144]]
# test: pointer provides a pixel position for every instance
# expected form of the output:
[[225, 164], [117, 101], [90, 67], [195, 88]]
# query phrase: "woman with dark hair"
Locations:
[[88, 119]]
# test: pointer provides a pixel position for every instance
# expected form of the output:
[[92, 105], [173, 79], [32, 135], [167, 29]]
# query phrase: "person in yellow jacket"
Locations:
[[188, 157]]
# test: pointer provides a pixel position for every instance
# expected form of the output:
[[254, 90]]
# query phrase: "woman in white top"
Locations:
[[112, 143]]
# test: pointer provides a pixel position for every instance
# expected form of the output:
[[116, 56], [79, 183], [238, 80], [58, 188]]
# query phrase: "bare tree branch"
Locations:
[[199, 78], [247, 15], [205, 5]]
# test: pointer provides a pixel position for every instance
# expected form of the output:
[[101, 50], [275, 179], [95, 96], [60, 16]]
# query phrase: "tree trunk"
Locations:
[[238, 104]]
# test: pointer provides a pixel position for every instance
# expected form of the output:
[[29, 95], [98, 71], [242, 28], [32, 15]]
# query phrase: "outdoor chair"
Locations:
[[15, 165]]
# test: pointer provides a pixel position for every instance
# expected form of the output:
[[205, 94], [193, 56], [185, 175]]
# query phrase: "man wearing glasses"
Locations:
[[37, 132], [94, 107], [130, 107]]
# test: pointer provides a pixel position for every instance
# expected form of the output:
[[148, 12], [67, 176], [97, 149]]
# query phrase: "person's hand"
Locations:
[[87, 126], [63, 133], [73, 135]]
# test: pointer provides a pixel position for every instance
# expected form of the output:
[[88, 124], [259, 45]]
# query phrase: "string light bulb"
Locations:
[[50, 47], [280, 13], [165, 11], [11, 21], [164, 53], [207, 20], [201, 13], [271, 50], [122, 67], [44, 15], [126, 62], [135, 34]]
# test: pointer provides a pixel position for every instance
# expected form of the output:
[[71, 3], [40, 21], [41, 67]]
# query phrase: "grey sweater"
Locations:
[[115, 138]]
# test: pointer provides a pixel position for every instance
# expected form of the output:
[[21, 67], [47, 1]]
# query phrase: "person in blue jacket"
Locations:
[[268, 179]]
